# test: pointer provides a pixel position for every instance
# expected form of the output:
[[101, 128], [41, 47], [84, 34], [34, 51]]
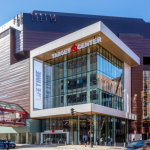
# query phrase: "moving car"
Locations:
[[139, 145], [3, 143]]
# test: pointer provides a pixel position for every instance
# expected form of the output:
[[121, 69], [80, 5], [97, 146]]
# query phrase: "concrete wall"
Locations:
[[2, 136], [127, 88]]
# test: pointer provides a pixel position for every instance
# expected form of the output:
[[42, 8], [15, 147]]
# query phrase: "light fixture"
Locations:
[[45, 17], [41, 17], [36, 16]]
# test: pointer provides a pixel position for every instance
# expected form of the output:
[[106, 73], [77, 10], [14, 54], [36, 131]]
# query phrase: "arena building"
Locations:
[[52, 62]]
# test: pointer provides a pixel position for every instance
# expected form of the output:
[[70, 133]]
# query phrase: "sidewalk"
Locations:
[[55, 146]]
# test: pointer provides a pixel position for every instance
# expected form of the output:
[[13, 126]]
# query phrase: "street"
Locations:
[[70, 147]]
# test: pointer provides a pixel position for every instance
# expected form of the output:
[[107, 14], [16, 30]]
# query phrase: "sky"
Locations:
[[120, 8]]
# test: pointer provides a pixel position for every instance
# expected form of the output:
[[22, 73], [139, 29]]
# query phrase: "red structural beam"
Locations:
[[11, 116], [13, 111]]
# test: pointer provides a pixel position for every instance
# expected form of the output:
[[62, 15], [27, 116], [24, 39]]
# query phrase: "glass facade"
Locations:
[[88, 75], [79, 129], [146, 98]]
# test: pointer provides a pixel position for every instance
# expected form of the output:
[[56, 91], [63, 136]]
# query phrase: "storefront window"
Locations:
[[79, 129], [91, 72]]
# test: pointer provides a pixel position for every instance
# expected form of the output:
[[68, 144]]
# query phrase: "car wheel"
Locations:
[[13, 146]]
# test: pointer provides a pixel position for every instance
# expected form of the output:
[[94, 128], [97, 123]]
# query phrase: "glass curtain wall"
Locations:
[[146, 99], [79, 129], [89, 75]]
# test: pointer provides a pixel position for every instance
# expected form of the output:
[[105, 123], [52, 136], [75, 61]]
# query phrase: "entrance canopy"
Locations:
[[11, 114], [108, 40]]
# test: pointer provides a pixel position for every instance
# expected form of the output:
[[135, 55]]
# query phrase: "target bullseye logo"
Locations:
[[74, 48], [53, 131]]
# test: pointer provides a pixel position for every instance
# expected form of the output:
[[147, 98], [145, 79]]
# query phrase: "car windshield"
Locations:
[[137, 143]]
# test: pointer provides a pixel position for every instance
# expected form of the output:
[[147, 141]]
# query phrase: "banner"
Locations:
[[48, 90], [38, 85]]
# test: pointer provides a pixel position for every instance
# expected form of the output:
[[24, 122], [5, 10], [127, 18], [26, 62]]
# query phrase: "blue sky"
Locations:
[[122, 8]]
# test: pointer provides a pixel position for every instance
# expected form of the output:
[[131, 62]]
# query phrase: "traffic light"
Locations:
[[72, 112]]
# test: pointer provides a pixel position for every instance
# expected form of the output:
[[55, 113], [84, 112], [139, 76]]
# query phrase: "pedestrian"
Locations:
[[133, 139], [101, 141], [7, 144], [84, 142], [111, 140], [108, 140], [97, 140], [105, 139]]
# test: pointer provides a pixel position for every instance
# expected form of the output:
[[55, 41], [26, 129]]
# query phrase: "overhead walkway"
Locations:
[[11, 114]]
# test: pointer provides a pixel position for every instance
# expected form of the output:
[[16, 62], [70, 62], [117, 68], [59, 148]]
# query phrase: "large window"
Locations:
[[146, 98], [89, 75], [79, 128]]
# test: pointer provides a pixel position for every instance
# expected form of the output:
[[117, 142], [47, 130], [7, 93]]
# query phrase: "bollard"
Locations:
[[124, 145], [51, 143], [105, 143], [58, 142], [96, 143], [72, 143], [115, 144], [40, 142], [80, 143], [35, 142], [46, 142], [87, 143], [65, 142]]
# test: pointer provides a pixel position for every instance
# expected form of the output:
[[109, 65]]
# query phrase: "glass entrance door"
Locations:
[[54, 138], [64, 138]]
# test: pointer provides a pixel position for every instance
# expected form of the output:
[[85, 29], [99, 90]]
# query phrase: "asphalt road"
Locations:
[[51, 148], [69, 147]]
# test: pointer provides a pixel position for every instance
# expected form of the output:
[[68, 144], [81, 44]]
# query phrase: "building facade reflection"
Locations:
[[90, 72]]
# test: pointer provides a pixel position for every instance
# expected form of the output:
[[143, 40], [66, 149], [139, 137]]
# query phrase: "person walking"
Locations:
[[111, 141], [97, 140], [105, 139], [101, 141], [7, 144], [108, 140], [84, 142]]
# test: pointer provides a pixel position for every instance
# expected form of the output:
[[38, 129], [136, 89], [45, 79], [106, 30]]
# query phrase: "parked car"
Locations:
[[139, 145], [3, 143]]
